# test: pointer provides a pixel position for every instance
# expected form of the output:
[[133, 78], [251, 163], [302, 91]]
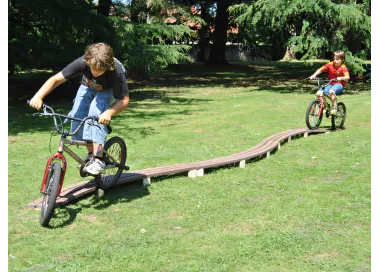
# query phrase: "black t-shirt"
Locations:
[[115, 79]]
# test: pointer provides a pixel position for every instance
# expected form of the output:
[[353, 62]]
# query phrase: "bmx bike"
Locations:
[[318, 106], [114, 156]]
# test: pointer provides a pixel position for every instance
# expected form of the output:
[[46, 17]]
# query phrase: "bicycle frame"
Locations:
[[63, 147], [322, 98], [59, 156]]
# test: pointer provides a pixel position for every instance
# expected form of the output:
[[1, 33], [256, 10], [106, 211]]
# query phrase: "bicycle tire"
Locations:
[[117, 148], [50, 194], [312, 119], [338, 119]]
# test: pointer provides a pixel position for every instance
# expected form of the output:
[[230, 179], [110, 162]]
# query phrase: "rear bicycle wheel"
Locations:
[[114, 158], [339, 118], [313, 120], [50, 194]]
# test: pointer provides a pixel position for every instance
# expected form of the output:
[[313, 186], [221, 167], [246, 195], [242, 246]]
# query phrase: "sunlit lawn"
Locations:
[[306, 208]]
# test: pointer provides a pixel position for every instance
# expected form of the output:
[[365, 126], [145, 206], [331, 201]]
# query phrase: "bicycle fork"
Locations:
[[56, 157], [321, 106]]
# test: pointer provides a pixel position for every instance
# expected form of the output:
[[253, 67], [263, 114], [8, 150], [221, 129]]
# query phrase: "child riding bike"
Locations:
[[336, 69], [103, 80]]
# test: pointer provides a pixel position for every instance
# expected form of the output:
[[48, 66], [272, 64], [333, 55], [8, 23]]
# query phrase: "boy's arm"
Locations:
[[318, 72], [49, 85], [346, 76], [119, 106]]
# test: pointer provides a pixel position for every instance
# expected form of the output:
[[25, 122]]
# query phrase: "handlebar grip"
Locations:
[[109, 128], [28, 103]]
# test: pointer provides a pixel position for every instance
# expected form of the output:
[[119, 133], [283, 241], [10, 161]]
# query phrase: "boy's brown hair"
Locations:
[[340, 54], [100, 56]]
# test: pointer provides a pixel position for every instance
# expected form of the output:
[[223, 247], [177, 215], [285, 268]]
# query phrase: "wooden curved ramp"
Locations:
[[194, 169]]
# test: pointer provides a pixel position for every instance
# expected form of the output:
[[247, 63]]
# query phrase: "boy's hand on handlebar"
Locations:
[[105, 118], [313, 77], [36, 103]]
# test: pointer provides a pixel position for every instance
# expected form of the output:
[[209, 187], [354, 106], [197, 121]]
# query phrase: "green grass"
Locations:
[[290, 212]]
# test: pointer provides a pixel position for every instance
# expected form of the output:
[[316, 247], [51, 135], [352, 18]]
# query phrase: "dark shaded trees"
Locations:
[[45, 34], [219, 36], [310, 28], [104, 7]]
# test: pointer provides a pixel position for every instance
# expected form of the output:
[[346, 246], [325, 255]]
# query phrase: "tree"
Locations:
[[44, 34], [104, 7], [147, 44], [219, 36], [312, 28], [217, 17], [135, 31]]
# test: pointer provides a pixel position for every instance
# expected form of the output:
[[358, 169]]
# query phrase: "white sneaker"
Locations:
[[95, 167]]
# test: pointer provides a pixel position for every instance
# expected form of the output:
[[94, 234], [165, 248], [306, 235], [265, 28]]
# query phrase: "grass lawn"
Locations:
[[306, 208]]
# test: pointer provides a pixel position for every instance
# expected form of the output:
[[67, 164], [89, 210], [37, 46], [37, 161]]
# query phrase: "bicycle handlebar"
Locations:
[[324, 80], [82, 121]]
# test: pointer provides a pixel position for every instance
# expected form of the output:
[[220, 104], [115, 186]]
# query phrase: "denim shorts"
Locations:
[[336, 88], [89, 102]]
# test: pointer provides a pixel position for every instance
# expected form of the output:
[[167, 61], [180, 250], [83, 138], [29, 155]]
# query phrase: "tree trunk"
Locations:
[[219, 37], [289, 54], [140, 71], [201, 47], [203, 40], [134, 11], [104, 7]]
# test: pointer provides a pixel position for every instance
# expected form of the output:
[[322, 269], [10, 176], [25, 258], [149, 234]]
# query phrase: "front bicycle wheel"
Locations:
[[50, 194], [313, 120], [114, 158], [338, 119]]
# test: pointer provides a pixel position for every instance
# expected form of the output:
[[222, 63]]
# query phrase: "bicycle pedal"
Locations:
[[83, 173]]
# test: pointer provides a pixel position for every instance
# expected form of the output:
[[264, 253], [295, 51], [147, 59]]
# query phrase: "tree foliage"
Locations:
[[45, 34], [144, 46], [149, 35], [147, 43], [312, 28]]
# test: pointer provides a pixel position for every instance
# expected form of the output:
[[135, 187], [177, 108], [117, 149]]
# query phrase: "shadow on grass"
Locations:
[[282, 77], [279, 77], [124, 193], [233, 75], [21, 119]]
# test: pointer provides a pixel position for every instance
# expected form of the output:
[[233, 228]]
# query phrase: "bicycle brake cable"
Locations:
[[51, 135]]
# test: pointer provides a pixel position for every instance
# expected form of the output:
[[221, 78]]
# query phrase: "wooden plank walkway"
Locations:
[[194, 169]]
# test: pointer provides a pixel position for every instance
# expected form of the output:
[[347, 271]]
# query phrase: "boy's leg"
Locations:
[[326, 91], [81, 107], [333, 92], [98, 134]]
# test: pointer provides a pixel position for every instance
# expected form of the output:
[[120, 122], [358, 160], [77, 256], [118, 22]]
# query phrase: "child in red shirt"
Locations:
[[336, 69]]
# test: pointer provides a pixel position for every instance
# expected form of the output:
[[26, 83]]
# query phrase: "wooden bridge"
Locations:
[[195, 169]]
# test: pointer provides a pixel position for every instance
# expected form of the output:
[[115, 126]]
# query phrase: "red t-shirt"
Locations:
[[335, 72]]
